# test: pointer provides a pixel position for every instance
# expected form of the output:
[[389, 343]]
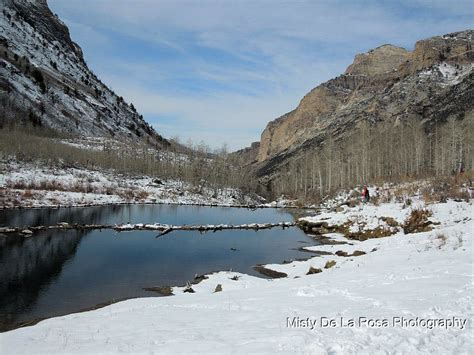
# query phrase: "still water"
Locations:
[[59, 272]]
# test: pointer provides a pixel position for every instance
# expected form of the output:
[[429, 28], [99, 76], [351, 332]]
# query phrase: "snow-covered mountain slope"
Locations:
[[45, 80]]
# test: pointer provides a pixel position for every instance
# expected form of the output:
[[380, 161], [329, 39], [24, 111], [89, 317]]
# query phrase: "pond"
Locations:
[[60, 272]]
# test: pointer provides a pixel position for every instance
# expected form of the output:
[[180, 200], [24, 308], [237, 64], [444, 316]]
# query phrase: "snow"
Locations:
[[409, 294], [68, 71], [449, 74], [34, 185]]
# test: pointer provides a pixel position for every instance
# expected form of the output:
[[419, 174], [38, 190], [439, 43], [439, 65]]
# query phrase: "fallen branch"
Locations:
[[164, 228]]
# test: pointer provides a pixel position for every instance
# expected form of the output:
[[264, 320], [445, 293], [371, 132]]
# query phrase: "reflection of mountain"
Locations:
[[29, 265]]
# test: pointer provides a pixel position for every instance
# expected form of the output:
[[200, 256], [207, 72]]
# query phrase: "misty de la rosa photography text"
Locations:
[[312, 323]]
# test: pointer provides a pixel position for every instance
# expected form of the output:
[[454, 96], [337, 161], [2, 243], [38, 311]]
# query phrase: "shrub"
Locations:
[[330, 264], [39, 79], [417, 221], [313, 270], [141, 195]]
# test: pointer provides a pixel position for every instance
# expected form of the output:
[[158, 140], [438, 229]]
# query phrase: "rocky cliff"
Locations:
[[389, 83], [45, 80]]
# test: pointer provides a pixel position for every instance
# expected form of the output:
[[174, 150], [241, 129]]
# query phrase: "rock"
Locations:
[[329, 264], [313, 270], [346, 254], [269, 272], [378, 61], [26, 232], [218, 288], [189, 290], [199, 278], [162, 290]]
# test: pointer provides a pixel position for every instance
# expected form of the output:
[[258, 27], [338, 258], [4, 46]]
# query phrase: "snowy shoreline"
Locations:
[[348, 305], [28, 185], [155, 203]]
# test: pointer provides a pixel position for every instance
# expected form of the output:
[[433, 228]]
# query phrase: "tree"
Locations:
[[39, 79]]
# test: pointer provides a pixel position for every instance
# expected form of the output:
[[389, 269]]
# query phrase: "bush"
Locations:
[[417, 221], [330, 264], [442, 189]]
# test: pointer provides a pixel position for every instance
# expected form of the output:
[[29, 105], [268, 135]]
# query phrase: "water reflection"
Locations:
[[29, 265], [60, 272]]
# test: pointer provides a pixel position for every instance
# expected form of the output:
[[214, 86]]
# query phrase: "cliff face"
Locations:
[[45, 80], [388, 83], [317, 109]]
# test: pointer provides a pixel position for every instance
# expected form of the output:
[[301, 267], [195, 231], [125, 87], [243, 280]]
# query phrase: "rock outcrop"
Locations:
[[388, 83]]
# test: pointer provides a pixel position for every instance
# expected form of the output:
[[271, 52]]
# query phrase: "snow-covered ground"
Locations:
[[35, 185], [410, 293]]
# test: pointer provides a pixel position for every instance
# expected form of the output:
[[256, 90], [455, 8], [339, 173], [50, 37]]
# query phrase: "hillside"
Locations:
[[44, 80], [389, 85]]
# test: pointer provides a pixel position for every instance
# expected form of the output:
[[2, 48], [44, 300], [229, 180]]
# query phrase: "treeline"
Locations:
[[203, 167], [196, 165], [382, 152], [371, 154]]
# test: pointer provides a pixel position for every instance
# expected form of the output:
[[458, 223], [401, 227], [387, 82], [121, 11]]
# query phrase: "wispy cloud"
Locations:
[[219, 70]]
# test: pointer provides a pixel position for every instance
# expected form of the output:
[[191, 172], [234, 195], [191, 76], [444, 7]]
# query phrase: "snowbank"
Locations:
[[410, 293]]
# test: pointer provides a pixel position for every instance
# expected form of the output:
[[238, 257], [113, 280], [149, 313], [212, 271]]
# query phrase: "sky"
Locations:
[[219, 71]]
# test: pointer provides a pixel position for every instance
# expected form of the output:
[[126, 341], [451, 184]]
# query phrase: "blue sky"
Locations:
[[219, 71]]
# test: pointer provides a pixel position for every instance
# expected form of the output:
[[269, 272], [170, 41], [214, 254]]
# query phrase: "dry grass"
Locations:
[[346, 254], [442, 239], [313, 270], [141, 195], [443, 188], [391, 222], [400, 193], [52, 185], [132, 194], [27, 194], [126, 194], [379, 232], [28, 146], [418, 221], [330, 264]]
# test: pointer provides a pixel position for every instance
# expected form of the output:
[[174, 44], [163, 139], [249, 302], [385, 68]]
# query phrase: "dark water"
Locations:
[[61, 272]]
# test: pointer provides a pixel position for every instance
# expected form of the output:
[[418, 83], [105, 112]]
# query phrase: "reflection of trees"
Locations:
[[29, 265], [48, 216]]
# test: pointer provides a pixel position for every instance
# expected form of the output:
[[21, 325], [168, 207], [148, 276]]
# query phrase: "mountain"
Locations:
[[45, 80], [387, 84]]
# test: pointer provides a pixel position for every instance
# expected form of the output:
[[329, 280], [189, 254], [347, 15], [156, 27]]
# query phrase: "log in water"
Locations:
[[163, 228]]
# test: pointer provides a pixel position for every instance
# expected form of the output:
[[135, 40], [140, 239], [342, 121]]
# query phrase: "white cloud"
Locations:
[[287, 48], [221, 118]]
